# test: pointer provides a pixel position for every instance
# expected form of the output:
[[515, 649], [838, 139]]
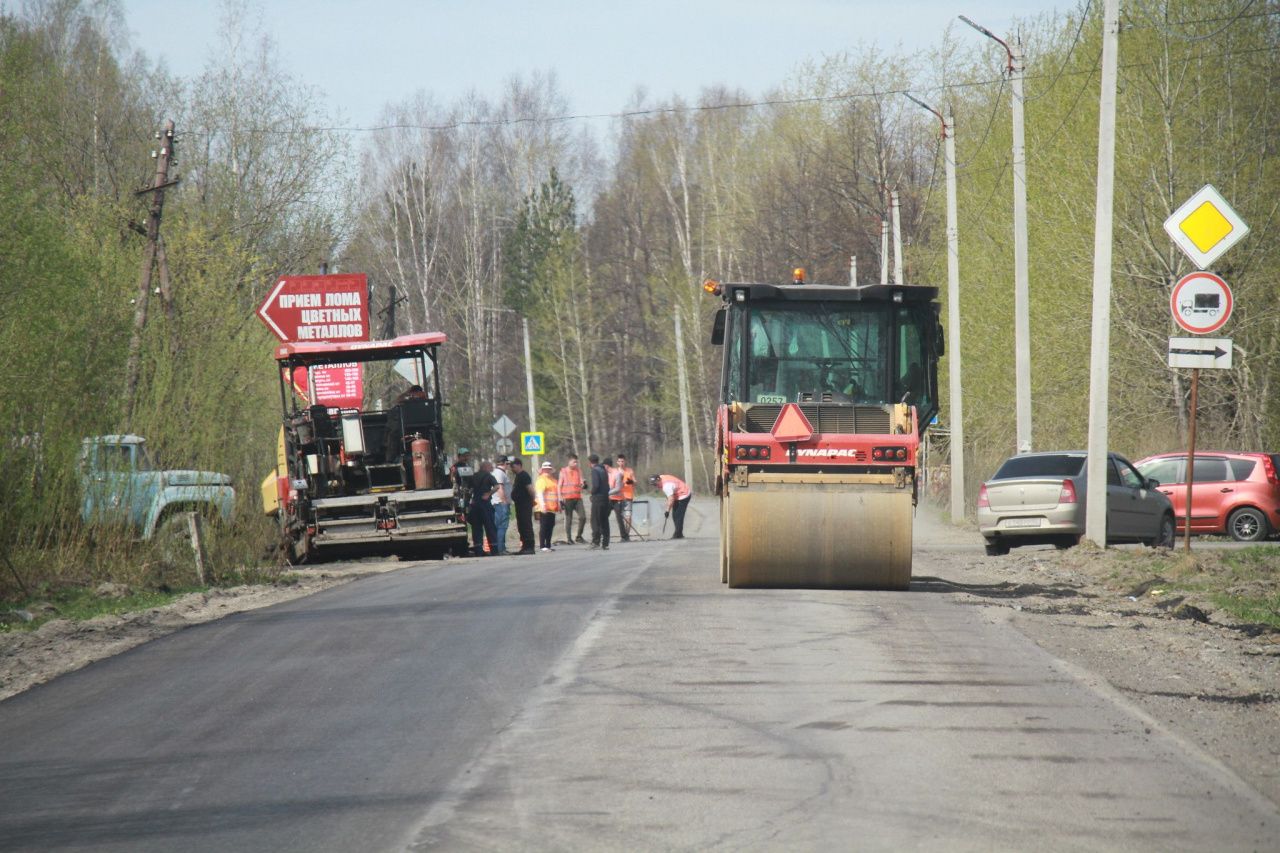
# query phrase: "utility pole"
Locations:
[[955, 397], [1021, 289], [389, 327], [684, 400], [149, 254], [1100, 348], [853, 270], [897, 237], [884, 251], [528, 385]]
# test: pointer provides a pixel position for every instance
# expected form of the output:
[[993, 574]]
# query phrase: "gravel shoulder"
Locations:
[[59, 646], [1193, 669]]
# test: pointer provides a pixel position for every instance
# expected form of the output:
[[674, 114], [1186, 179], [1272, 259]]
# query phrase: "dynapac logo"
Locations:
[[833, 451]]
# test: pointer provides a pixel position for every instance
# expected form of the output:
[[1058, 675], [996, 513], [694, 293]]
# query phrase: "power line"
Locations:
[[1231, 21], [995, 107], [1084, 16], [1075, 103], [556, 119], [981, 214], [521, 120]]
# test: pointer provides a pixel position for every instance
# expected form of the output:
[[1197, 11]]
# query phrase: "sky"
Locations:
[[364, 55]]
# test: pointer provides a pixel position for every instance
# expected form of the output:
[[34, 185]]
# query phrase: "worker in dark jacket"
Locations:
[[599, 504], [480, 513]]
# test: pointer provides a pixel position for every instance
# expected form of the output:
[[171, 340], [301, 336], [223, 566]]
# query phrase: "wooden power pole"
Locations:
[[151, 253]]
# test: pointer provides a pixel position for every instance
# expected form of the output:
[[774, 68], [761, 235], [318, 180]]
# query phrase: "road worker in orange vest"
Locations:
[[678, 496], [570, 483], [622, 500], [546, 493]]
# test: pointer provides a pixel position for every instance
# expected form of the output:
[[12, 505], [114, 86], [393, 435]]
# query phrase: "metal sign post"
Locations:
[[1204, 227], [1191, 456]]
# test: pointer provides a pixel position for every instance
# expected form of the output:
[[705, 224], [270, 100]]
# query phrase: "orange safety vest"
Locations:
[[547, 493], [570, 483], [615, 480], [628, 484], [682, 490]]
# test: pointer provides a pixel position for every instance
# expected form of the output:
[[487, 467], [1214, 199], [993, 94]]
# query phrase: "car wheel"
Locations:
[[1167, 531], [1068, 542], [996, 549], [1247, 525]]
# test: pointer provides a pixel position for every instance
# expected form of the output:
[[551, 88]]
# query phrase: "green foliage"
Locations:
[[75, 131], [79, 604]]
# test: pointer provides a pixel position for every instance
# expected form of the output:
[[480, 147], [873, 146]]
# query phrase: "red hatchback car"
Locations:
[[1233, 493]]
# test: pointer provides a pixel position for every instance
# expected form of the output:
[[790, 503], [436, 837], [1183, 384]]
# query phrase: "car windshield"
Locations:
[[1049, 465]]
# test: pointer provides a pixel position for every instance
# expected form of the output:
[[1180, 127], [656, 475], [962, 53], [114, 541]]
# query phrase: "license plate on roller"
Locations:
[[1022, 522]]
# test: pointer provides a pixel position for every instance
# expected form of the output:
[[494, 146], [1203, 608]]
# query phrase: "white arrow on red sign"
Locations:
[[320, 308]]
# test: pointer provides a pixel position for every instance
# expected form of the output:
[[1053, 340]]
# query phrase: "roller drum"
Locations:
[[817, 536]]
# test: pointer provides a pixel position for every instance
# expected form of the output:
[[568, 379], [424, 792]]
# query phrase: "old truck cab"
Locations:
[[121, 486]]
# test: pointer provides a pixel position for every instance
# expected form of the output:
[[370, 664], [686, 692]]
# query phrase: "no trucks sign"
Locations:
[[322, 309]]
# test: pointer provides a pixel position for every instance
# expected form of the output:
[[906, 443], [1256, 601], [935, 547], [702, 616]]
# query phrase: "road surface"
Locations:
[[607, 700]]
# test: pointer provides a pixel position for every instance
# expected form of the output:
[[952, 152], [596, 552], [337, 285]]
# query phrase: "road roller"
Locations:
[[826, 393]]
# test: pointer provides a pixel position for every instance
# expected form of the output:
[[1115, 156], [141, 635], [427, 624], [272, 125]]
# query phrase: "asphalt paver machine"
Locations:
[[365, 479]]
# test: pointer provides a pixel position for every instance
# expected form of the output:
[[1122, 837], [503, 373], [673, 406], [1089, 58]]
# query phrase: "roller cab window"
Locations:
[[870, 354]]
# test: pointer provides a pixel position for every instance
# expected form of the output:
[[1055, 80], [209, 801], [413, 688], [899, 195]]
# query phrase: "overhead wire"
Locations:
[[1084, 16], [1075, 103], [1230, 22], [520, 120], [995, 107]]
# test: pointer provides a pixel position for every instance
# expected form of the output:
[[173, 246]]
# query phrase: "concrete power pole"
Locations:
[[897, 237], [1100, 348], [149, 256], [953, 315], [883, 251], [1021, 296], [528, 384], [953, 325], [684, 400], [1021, 309]]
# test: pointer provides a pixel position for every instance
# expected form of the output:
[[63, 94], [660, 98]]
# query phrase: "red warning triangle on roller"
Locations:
[[792, 425]]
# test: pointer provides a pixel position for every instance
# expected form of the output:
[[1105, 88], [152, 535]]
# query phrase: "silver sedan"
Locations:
[[1039, 499]]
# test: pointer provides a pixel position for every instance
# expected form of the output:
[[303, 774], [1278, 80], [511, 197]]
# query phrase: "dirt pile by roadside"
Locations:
[[28, 658]]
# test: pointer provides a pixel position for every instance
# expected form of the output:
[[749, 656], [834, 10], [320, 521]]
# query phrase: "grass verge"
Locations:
[[78, 604], [1244, 583]]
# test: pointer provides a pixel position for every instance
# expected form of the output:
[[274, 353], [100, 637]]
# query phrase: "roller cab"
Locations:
[[825, 395]]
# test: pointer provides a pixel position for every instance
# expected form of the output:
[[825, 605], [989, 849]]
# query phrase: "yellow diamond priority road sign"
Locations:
[[1205, 227]]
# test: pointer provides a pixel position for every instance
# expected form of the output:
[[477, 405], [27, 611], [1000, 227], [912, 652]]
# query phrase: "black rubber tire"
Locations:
[[996, 549], [1067, 542], [1248, 525], [1167, 534]]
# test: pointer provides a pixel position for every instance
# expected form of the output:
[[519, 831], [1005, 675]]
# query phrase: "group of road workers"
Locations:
[[496, 487]]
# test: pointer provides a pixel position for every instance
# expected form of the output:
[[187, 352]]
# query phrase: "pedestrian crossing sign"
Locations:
[[531, 442]]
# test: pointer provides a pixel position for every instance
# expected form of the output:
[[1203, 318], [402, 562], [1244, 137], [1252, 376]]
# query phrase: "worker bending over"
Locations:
[[678, 495]]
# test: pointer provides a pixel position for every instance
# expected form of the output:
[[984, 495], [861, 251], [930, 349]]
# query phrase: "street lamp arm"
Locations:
[[916, 100], [986, 32]]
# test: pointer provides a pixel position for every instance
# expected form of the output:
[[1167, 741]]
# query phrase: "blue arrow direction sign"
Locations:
[[1200, 352]]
